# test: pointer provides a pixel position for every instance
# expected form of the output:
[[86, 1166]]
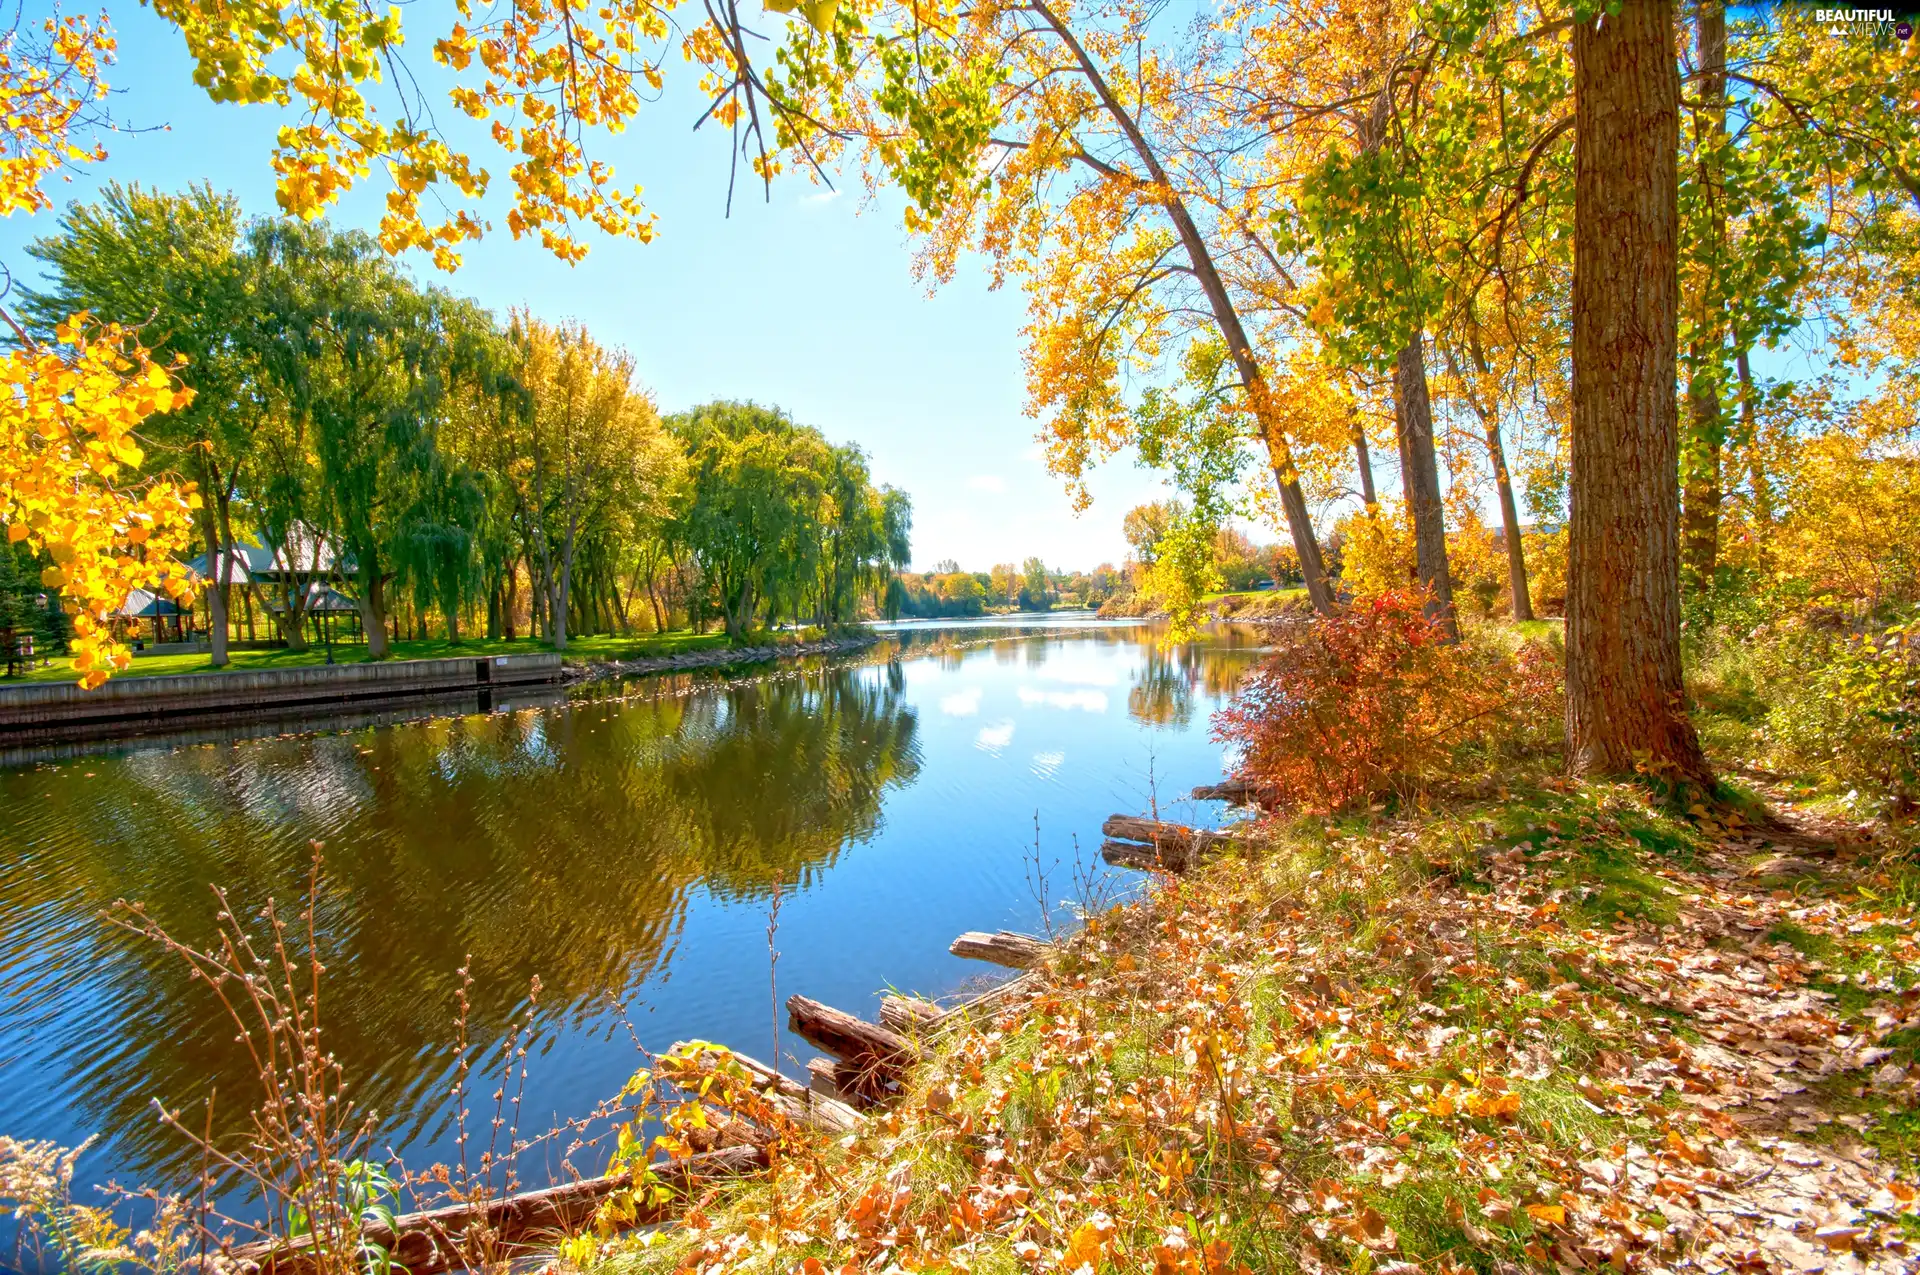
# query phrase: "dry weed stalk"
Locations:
[[305, 1154]]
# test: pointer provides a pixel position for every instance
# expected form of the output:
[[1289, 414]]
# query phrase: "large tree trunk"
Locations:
[[562, 589], [373, 610], [1509, 523], [1420, 472], [509, 620], [1625, 708], [1702, 490], [653, 596]]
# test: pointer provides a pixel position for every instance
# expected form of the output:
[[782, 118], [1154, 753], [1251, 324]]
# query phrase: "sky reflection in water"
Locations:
[[626, 845]]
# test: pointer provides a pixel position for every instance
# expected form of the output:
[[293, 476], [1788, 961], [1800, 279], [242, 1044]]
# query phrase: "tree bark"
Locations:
[[1420, 472], [1625, 705], [866, 1045], [1756, 466], [373, 611], [218, 575], [1503, 483], [1702, 492], [509, 624], [1364, 462]]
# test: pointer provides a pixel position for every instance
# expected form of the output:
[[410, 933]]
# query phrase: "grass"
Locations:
[[594, 647], [1286, 593]]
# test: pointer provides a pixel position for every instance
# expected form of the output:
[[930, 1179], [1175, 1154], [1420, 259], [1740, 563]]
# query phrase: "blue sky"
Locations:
[[807, 302]]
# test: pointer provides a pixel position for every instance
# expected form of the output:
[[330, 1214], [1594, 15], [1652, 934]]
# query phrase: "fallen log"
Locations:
[[460, 1236], [823, 1077], [868, 1046], [1131, 854], [1015, 951], [852, 1085], [1154, 832], [1237, 792], [981, 1005], [801, 1104], [907, 1014]]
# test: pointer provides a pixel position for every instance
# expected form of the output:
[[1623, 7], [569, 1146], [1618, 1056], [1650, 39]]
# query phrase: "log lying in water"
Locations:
[[1015, 951], [1155, 832], [907, 1014], [1238, 792], [1131, 854], [460, 1235], [802, 1105], [1150, 843], [855, 1040]]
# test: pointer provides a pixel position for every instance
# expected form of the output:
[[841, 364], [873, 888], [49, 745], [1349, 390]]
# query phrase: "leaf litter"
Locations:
[[1564, 1032]]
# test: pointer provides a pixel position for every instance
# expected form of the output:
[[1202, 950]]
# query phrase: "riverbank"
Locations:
[[1260, 604], [717, 657], [1562, 1028], [42, 711], [582, 649]]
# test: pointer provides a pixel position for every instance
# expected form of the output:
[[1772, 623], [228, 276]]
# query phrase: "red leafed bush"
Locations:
[[1374, 700]]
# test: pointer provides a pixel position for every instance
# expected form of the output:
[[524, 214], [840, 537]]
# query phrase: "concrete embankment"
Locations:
[[51, 712]]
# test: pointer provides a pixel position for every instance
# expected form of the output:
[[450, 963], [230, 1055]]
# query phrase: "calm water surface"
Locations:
[[622, 846]]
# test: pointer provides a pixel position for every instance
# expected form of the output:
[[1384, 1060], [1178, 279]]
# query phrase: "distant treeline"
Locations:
[[444, 469]]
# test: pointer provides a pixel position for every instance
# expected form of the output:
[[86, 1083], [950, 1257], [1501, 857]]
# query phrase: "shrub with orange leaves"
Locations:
[[1375, 701]]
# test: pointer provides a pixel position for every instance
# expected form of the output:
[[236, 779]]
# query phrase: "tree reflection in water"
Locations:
[[557, 843], [1165, 685]]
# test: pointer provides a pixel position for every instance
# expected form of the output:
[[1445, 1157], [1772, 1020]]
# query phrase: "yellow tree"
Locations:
[[1061, 142], [590, 443], [69, 409]]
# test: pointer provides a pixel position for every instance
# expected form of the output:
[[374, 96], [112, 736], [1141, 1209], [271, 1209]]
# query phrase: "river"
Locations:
[[624, 847]]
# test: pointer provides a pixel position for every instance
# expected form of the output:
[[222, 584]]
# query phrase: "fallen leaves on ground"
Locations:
[[1567, 1033]]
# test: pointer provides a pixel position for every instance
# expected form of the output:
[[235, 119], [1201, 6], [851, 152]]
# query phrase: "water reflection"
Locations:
[[1171, 679], [556, 844], [628, 841]]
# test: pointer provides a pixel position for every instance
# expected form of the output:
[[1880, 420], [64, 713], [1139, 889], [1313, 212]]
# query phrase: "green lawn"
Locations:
[[596, 647], [1293, 592]]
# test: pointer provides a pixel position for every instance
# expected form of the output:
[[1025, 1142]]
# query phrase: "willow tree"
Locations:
[[353, 350], [168, 265]]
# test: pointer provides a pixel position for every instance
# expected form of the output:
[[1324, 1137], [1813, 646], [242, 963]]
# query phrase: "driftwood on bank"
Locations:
[[801, 1104], [985, 1003], [873, 1060], [1236, 792], [1015, 951], [855, 1040], [461, 1235], [907, 1014], [1134, 842]]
